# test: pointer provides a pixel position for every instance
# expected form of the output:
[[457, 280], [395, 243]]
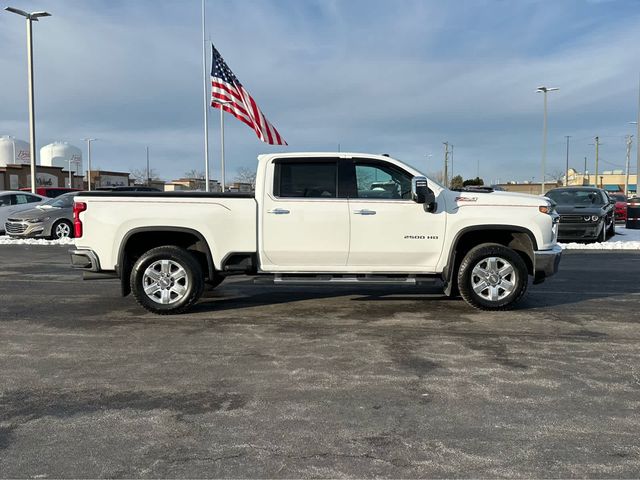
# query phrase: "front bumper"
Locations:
[[85, 260], [580, 231], [24, 229], [546, 263]]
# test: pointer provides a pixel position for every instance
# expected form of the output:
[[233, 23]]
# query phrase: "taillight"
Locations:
[[77, 223]]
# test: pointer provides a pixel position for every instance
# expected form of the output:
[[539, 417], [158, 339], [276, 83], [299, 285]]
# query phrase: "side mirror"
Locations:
[[421, 193]]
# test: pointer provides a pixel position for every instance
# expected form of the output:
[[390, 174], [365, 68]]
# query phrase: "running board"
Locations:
[[362, 279]]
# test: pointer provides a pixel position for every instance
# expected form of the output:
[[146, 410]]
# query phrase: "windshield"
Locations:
[[618, 198], [63, 201], [576, 197]]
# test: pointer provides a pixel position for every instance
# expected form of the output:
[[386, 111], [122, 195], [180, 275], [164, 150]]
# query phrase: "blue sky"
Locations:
[[397, 77]]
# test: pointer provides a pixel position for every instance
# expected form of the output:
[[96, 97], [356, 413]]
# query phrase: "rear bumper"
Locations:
[[84, 259], [546, 263]]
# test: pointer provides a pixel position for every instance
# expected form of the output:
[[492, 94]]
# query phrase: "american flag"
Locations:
[[225, 87]]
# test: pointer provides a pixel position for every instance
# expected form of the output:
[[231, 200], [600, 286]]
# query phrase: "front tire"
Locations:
[[61, 229], [167, 280], [492, 277]]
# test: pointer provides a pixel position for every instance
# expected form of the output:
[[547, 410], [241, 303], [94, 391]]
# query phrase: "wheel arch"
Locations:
[[141, 239], [520, 239]]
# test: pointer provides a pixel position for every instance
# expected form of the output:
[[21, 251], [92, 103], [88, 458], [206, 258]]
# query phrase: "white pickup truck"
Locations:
[[319, 217]]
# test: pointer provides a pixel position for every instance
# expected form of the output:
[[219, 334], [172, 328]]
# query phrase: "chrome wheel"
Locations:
[[62, 230], [493, 278], [165, 282]]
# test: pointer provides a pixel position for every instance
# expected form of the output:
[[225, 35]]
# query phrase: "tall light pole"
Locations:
[[626, 173], [89, 140], [31, 17], [206, 80], [544, 90], [566, 175], [638, 144], [446, 164]]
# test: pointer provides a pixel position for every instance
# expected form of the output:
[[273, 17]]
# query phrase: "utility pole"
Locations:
[[148, 171], [452, 161], [626, 178], [446, 164], [597, 144], [566, 175], [584, 172]]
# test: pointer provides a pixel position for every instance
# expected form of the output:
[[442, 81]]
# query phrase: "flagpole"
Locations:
[[206, 94], [222, 146]]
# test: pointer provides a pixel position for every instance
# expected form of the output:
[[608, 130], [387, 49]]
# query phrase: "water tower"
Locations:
[[13, 151], [62, 154]]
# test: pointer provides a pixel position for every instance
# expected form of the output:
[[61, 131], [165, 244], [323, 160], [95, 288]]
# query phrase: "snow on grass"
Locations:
[[7, 240], [624, 239]]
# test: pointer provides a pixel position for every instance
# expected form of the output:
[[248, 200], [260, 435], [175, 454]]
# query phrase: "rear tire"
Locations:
[[167, 280], [492, 277]]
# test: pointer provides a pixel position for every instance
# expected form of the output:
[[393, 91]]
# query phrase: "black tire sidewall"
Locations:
[[477, 254], [178, 255]]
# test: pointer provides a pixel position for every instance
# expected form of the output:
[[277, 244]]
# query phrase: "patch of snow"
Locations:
[[7, 240], [624, 239]]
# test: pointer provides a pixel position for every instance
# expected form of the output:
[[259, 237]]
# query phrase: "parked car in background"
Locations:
[[51, 219], [586, 213], [51, 192], [12, 202], [620, 206]]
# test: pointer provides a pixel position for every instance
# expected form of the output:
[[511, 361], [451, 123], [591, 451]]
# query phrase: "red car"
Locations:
[[51, 192], [621, 206]]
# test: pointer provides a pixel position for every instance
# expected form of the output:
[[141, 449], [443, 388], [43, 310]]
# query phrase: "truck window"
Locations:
[[306, 179], [382, 181]]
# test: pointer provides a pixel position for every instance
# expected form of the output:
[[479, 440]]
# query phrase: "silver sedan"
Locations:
[[52, 219], [12, 202]]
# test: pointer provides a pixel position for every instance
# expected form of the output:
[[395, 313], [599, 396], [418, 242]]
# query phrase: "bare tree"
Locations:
[[140, 175], [246, 175], [195, 174]]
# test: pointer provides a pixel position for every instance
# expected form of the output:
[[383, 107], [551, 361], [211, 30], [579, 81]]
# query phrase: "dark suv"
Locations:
[[586, 213]]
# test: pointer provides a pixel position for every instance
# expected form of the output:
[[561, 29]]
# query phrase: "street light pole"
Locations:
[[89, 140], [544, 90], [566, 175], [626, 176], [31, 17], [206, 80]]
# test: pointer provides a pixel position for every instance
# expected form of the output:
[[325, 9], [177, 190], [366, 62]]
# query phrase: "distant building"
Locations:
[[610, 180], [182, 184], [14, 177], [240, 187], [104, 178]]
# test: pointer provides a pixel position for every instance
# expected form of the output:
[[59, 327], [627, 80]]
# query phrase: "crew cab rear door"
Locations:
[[304, 220], [389, 231]]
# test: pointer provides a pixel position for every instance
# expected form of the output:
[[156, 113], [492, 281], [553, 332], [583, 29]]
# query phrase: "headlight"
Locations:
[[38, 220], [595, 218], [548, 209]]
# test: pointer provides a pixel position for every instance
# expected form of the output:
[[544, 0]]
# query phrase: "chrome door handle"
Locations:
[[279, 211], [364, 212]]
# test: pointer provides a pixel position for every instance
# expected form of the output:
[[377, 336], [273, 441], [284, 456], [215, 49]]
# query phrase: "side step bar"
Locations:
[[293, 279]]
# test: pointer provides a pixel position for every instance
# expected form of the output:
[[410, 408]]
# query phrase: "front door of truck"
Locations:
[[304, 222], [389, 231]]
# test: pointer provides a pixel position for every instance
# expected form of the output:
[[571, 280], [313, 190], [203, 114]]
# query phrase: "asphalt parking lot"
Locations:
[[263, 381]]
